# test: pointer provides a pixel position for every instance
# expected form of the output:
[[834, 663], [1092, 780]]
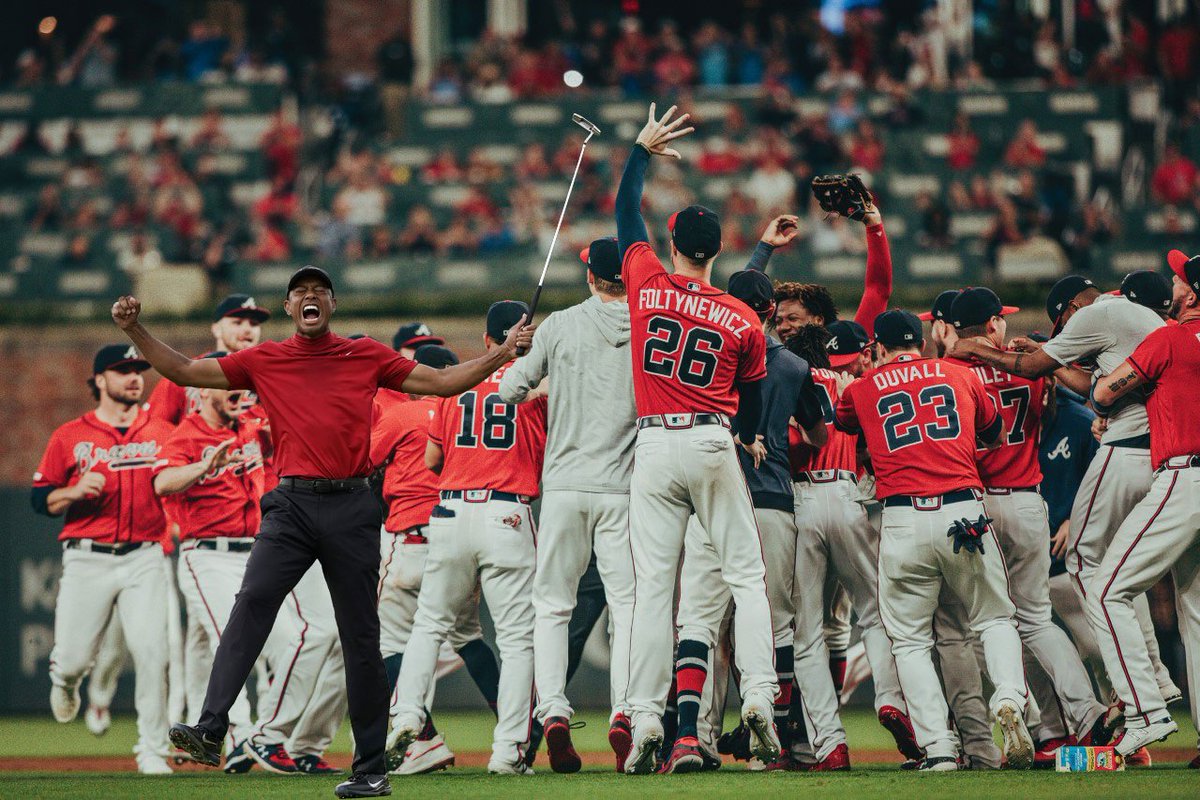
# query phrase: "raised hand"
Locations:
[[520, 337], [659, 132], [757, 451], [125, 312], [781, 230], [219, 456]]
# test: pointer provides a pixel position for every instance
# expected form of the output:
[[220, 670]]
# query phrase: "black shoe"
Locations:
[[315, 765], [363, 785], [735, 743], [535, 741], [238, 762], [938, 764], [197, 743]]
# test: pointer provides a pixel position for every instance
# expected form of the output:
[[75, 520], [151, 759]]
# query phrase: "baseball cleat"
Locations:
[[64, 702], [1114, 717], [496, 767], [787, 763], [239, 760], [838, 760], [1140, 758], [1194, 763], [939, 764], [428, 755], [197, 743], [1018, 745], [711, 762], [1171, 694], [315, 765], [1046, 754], [897, 723], [685, 757], [1136, 738], [620, 739], [563, 758], [641, 755], [735, 743], [399, 738], [97, 719], [272, 757], [153, 764], [764, 739], [360, 784]]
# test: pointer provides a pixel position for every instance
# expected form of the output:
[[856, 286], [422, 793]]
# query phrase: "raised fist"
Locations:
[[125, 312]]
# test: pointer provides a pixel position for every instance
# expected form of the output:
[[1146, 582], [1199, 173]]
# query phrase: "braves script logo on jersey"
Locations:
[[133, 455], [1063, 449], [699, 307], [246, 458]]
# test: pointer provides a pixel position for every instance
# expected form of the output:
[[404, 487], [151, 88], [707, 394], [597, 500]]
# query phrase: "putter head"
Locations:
[[586, 124]]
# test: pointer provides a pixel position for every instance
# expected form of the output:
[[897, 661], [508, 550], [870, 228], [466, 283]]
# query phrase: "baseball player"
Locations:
[[398, 442], [97, 473], [1147, 288], [836, 540], [1098, 331], [413, 335], [1162, 533], [488, 455], [921, 418], [1010, 475], [941, 330], [698, 356], [583, 352]]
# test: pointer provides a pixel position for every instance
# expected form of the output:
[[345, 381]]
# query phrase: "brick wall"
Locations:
[[356, 28]]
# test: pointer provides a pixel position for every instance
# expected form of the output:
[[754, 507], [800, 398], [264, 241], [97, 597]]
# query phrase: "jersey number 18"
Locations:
[[499, 422]]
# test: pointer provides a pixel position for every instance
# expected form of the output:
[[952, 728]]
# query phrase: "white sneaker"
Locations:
[[754, 765], [97, 719], [647, 740], [422, 757], [64, 702], [402, 734], [153, 764], [497, 767], [1136, 738], [1171, 694], [1018, 744], [764, 739]]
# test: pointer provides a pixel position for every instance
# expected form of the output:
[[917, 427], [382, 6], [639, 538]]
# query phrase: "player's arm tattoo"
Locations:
[[1119, 383]]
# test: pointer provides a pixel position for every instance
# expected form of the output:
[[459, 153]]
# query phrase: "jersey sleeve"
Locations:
[[752, 362], [1083, 336], [986, 415], [238, 368], [437, 421], [168, 402], [640, 263], [529, 370], [1152, 356], [878, 279], [178, 450], [845, 418], [56, 467], [383, 438]]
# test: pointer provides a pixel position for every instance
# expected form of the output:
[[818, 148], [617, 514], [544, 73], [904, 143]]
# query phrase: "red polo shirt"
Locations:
[[318, 394]]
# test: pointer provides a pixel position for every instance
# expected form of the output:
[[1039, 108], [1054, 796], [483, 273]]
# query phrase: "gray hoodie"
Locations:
[[584, 350]]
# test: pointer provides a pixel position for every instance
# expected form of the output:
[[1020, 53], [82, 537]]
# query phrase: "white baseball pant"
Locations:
[[490, 542], [1161, 534], [94, 586], [675, 472], [958, 663], [916, 557], [106, 671], [571, 525], [1071, 612]]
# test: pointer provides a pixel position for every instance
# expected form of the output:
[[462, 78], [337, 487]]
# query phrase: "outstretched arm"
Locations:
[[460, 377], [779, 233], [1028, 365], [652, 141], [204, 373], [878, 280]]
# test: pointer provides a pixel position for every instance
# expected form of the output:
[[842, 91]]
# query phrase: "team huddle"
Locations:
[[747, 501]]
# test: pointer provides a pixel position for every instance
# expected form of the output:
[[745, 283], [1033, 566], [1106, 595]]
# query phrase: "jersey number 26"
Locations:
[[695, 363]]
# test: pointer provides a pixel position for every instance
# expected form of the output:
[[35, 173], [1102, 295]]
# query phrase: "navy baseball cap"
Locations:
[[502, 316], [414, 334], [847, 340], [898, 328], [240, 305], [603, 258], [117, 356], [976, 305], [1062, 293], [436, 356], [1147, 288], [306, 272], [696, 232], [941, 307], [1188, 269], [753, 288]]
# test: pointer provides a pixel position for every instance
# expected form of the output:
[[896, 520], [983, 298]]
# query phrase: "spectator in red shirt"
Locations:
[[443, 169], [533, 164], [964, 144], [280, 201], [1024, 151], [280, 144], [674, 69], [1174, 181], [866, 148], [719, 157], [271, 241]]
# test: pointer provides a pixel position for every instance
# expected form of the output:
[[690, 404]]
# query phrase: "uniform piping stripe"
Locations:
[[187, 560], [1086, 517], [287, 677]]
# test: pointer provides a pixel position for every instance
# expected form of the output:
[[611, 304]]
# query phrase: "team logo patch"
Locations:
[[132, 352], [832, 344], [513, 521], [693, 286], [249, 303]]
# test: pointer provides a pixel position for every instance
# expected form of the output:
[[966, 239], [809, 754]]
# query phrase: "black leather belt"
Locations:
[[1179, 462], [931, 503], [108, 549], [678, 422], [1139, 442], [483, 495], [324, 485], [825, 476], [992, 490], [222, 544]]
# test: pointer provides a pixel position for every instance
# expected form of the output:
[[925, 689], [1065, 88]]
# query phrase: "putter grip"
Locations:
[[537, 295]]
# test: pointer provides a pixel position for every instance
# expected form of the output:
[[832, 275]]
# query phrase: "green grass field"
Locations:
[[470, 732]]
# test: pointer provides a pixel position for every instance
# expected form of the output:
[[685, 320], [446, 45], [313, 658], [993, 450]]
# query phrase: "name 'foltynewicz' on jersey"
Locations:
[[697, 306]]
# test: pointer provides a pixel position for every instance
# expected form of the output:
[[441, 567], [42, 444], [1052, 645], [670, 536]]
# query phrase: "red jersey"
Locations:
[[225, 501], [841, 451], [319, 394], [1014, 464], [1169, 358], [127, 510], [171, 402], [691, 342], [920, 417], [398, 440], [877, 282], [490, 444]]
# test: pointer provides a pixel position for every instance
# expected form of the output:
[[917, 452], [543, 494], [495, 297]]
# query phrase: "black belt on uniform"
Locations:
[[677, 422], [108, 549], [1179, 462], [218, 543], [324, 485], [996, 491], [931, 503], [483, 495], [1140, 442], [824, 476]]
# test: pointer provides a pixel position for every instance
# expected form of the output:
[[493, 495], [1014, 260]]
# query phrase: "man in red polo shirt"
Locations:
[[97, 472], [318, 390]]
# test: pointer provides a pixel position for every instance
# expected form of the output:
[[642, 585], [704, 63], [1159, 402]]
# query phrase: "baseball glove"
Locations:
[[968, 535], [844, 195]]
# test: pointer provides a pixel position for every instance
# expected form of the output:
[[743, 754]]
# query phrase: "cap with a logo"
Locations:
[[1188, 269], [241, 305], [1062, 293], [1147, 288], [414, 334], [976, 305], [603, 258], [502, 316], [898, 328], [117, 356], [436, 356], [307, 272], [941, 307], [753, 288], [847, 340], [696, 232]]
